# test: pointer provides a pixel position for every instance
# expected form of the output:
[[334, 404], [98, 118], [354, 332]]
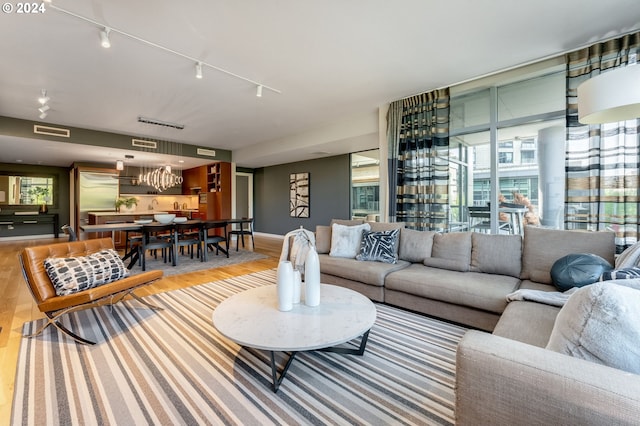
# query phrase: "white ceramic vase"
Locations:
[[297, 286], [285, 286], [312, 278]]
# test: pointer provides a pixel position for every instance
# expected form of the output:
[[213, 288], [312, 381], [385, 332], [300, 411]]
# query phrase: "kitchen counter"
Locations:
[[135, 213]]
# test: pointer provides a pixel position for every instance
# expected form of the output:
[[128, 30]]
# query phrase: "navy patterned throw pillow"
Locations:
[[73, 274], [621, 274], [381, 246]]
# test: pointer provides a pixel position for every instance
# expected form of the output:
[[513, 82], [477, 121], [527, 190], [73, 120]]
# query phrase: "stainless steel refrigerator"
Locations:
[[94, 191]]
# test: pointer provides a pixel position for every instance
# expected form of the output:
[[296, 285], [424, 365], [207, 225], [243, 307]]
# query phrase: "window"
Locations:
[[530, 109], [527, 157], [365, 185], [505, 157]]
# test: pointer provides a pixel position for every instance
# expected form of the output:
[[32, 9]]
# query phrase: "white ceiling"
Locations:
[[334, 61]]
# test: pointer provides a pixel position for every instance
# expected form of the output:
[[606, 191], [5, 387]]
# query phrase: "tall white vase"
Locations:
[[297, 285], [285, 286], [312, 279]]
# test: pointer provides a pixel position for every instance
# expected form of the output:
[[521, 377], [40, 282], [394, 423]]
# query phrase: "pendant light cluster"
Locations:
[[161, 178]]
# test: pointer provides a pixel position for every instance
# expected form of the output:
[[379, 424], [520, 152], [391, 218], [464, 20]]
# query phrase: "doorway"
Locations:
[[244, 195]]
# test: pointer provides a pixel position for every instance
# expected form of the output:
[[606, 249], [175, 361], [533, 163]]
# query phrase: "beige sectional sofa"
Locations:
[[462, 276], [507, 376]]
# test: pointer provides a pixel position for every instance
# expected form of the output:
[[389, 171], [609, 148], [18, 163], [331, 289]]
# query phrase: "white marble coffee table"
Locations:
[[252, 319]]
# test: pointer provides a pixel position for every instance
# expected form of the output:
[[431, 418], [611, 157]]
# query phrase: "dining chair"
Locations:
[[68, 230], [189, 235], [211, 241], [158, 237], [246, 228]]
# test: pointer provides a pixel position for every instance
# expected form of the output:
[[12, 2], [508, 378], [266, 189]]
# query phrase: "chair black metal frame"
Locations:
[[156, 237], [240, 233], [68, 230], [213, 241], [189, 235]]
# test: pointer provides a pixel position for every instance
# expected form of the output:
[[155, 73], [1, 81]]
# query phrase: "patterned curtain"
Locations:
[[602, 161], [418, 136]]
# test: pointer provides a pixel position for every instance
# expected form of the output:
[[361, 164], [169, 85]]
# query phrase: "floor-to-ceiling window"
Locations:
[[365, 185], [508, 134]]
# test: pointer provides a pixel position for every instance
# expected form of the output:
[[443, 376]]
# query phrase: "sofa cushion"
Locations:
[[577, 270], [600, 323], [472, 289], [542, 247], [415, 246], [527, 322], [496, 254], [372, 273], [73, 274], [451, 251], [323, 239], [385, 226], [381, 246], [345, 240]]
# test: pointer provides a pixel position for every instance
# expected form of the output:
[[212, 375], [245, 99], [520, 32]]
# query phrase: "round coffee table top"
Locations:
[[252, 319]]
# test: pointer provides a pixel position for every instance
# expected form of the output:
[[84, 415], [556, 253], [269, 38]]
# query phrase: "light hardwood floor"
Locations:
[[17, 306]]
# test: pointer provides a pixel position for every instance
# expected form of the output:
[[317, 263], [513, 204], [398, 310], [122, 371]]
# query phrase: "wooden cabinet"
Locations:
[[213, 183], [194, 180], [214, 177], [219, 187]]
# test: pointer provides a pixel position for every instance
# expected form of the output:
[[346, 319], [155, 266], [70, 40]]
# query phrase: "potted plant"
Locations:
[[41, 195], [129, 204]]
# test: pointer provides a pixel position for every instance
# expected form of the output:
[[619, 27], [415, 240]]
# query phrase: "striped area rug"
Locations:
[[171, 367]]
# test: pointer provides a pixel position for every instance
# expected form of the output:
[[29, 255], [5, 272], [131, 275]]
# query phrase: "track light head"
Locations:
[[259, 91], [199, 70], [43, 99], [44, 108], [104, 38], [43, 116]]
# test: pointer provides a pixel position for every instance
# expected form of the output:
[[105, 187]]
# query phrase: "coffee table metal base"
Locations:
[[277, 379]]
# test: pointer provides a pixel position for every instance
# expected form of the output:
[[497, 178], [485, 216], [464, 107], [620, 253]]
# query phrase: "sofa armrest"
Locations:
[[503, 381]]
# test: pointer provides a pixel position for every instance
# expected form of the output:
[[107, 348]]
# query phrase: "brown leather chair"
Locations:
[[54, 306]]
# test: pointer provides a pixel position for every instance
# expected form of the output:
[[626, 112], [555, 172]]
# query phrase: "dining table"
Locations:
[[131, 251]]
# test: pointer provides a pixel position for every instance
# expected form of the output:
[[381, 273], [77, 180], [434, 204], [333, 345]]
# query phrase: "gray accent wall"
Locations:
[[330, 188]]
